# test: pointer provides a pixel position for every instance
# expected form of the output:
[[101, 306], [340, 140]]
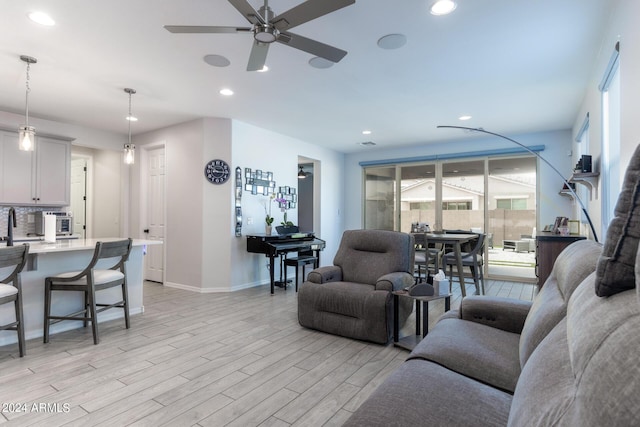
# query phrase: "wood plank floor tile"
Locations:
[[191, 359]]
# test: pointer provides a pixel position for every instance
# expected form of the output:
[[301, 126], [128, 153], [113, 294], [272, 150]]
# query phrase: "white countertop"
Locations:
[[41, 247]]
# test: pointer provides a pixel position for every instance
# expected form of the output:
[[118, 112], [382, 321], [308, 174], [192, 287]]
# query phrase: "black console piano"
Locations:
[[280, 245]]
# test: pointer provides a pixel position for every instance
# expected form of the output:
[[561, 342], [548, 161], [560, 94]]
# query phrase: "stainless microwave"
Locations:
[[64, 223]]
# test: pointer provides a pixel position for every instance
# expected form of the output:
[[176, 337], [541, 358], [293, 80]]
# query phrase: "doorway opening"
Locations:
[[308, 195]]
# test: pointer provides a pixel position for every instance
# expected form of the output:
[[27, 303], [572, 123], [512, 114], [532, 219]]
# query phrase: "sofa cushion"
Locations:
[[616, 265], [546, 384], [585, 372], [421, 393], [487, 354], [386, 252], [572, 266]]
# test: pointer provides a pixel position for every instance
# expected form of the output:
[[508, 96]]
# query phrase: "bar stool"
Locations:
[[302, 260], [89, 281], [11, 290]]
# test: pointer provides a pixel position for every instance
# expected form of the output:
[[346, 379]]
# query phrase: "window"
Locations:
[[512, 204], [456, 206], [610, 88], [420, 206]]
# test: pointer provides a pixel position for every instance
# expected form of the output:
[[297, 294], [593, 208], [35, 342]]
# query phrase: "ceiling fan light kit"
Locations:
[[268, 28]]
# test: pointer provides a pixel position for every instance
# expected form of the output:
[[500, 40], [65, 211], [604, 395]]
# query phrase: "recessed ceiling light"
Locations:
[[366, 132], [226, 92], [443, 7], [217, 60], [464, 118], [264, 69], [41, 18], [132, 118], [392, 41], [320, 63]]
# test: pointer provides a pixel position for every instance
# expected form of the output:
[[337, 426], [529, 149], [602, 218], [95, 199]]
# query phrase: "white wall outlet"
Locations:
[[249, 220], [31, 219]]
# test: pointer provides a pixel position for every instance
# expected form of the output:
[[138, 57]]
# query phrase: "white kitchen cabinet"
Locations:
[[41, 177]]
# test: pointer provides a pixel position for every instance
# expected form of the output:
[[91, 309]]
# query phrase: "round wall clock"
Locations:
[[217, 171]]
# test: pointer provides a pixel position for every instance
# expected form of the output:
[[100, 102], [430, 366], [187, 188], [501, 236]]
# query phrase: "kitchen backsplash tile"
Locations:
[[24, 227]]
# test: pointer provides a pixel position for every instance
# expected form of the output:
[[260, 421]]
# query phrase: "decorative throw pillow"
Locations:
[[615, 271]]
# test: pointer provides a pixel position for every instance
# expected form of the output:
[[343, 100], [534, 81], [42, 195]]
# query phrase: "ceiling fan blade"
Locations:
[[258, 56], [305, 12], [313, 47], [192, 29], [247, 11]]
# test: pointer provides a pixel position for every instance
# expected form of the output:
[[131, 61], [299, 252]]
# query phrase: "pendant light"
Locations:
[[130, 149], [301, 173], [26, 133]]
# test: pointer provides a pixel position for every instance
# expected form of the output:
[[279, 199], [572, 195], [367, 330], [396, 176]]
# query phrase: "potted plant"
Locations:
[[268, 219], [285, 226]]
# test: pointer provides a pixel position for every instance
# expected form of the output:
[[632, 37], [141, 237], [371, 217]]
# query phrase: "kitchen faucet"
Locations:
[[11, 224]]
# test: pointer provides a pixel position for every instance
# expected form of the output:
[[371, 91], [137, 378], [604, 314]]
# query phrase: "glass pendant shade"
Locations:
[[130, 149], [129, 154], [26, 138]]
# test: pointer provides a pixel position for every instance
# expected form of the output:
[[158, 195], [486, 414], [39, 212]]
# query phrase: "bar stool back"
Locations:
[[11, 290], [90, 280]]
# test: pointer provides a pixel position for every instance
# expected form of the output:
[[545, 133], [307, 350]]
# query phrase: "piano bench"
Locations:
[[297, 262]]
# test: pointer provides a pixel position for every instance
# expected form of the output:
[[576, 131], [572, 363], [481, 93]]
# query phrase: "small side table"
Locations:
[[422, 314]]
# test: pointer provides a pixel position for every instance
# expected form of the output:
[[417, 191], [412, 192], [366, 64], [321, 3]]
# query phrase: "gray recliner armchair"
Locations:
[[352, 298]]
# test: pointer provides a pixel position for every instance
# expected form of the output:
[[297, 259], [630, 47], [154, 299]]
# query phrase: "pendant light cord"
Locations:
[[26, 108], [129, 118]]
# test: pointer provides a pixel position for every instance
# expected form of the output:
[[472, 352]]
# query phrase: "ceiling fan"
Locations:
[[267, 28]]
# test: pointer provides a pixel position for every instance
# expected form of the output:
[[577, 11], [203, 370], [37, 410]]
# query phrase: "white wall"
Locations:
[[258, 148], [202, 252], [622, 26], [184, 183], [551, 204]]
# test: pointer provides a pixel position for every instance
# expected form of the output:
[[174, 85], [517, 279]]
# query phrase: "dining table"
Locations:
[[455, 241]]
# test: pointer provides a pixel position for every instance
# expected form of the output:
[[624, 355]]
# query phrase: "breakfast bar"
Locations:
[[48, 259]]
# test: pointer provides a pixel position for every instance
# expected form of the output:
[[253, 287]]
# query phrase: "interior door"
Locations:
[[79, 196], [154, 265]]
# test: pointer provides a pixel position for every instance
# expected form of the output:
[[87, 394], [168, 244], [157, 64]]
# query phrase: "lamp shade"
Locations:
[[129, 154], [26, 138]]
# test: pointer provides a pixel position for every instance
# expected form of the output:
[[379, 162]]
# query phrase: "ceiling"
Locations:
[[515, 66]]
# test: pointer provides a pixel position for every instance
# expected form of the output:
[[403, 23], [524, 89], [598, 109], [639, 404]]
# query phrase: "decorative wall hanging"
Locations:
[[238, 202], [287, 197], [259, 182]]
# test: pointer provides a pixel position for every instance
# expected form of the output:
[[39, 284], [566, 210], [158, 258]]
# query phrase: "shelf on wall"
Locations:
[[588, 179]]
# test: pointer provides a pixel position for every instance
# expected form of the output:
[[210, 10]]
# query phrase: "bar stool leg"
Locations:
[[47, 310]]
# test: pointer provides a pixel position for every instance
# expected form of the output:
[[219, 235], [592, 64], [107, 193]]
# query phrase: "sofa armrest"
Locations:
[[501, 313], [394, 281], [329, 273]]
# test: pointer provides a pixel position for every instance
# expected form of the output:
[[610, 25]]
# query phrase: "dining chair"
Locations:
[[473, 260], [14, 259], [89, 281], [428, 256]]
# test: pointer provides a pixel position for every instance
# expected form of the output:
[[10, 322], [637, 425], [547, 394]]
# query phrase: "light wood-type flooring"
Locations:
[[237, 359]]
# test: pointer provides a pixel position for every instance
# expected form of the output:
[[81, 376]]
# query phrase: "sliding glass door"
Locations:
[[496, 196], [418, 196], [380, 198], [463, 195]]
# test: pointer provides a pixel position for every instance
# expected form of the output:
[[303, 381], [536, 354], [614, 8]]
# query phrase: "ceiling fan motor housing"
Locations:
[[265, 33]]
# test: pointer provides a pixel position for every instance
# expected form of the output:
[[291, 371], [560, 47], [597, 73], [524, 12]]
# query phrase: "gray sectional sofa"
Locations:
[[568, 359]]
